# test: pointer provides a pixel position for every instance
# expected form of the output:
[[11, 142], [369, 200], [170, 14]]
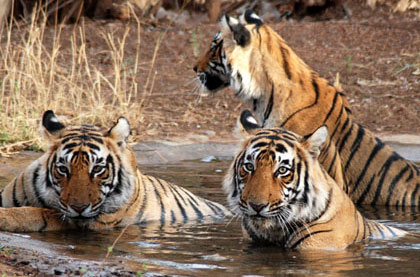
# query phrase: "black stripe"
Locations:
[[327, 206], [336, 123], [254, 237], [372, 155], [25, 197], [216, 210], [193, 202], [390, 230], [38, 196], [301, 240], [365, 192], [164, 188], [403, 201], [144, 203], [333, 161], [384, 171], [413, 195], [178, 203], [269, 107], [70, 145], [159, 198], [44, 224], [344, 138], [379, 228], [355, 146], [1, 197], [173, 217], [93, 146], [260, 144], [356, 215], [331, 109], [395, 181], [14, 197], [315, 87], [284, 53]]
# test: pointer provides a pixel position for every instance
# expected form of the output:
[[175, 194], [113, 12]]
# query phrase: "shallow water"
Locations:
[[218, 248]]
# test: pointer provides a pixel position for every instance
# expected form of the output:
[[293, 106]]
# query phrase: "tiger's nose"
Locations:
[[256, 206], [79, 207], [195, 68]]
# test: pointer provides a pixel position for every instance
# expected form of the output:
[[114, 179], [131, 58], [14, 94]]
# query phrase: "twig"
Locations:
[[110, 249]]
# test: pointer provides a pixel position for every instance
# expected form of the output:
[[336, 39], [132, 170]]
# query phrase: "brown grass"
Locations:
[[37, 76]]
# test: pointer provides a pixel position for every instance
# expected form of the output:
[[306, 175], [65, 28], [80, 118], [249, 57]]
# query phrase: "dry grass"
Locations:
[[36, 76]]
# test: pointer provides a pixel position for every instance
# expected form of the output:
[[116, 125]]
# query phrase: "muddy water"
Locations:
[[218, 248]]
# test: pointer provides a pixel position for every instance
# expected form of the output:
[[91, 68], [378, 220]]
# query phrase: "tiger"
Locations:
[[88, 179], [286, 198], [283, 91]]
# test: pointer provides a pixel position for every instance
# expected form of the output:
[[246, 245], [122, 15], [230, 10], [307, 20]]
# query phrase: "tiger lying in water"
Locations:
[[285, 197], [264, 71], [88, 178]]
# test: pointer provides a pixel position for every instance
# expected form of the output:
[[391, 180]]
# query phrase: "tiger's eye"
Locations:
[[282, 170], [249, 167], [97, 168], [62, 169]]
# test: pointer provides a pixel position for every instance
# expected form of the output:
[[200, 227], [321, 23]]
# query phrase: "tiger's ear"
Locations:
[[248, 124], [120, 131], [240, 34], [314, 141], [250, 17], [51, 127]]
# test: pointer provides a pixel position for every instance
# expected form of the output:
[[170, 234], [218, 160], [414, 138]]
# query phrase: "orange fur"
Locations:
[[285, 92]]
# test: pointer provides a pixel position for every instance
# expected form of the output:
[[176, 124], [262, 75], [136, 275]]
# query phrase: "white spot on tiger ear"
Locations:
[[252, 120], [228, 22], [255, 16]]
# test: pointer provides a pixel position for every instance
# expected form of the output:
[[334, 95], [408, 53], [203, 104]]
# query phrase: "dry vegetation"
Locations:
[[36, 75]]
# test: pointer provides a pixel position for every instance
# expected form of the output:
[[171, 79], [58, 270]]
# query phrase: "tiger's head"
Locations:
[[212, 70], [252, 56], [274, 180], [90, 171]]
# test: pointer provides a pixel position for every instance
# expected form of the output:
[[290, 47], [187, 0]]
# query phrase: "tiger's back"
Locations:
[[88, 178]]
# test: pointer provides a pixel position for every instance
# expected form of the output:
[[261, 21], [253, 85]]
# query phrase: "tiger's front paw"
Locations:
[[30, 219]]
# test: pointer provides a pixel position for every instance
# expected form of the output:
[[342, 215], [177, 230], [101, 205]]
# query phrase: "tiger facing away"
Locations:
[[284, 92], [88, 178], [286, 198]]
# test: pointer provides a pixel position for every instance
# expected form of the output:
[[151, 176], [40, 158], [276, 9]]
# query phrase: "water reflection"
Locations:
[[219, 249]]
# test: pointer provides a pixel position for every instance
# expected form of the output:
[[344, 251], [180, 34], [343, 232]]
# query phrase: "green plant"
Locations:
[[195, 42], [349, 65]]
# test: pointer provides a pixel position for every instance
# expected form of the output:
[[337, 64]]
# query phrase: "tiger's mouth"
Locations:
[[212, 82], [84, 212]]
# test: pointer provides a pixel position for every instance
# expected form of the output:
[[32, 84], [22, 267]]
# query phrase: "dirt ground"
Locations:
[[375, 53]]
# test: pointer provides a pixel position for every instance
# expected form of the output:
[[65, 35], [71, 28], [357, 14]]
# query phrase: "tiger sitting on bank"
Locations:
[[286, 198], [89, 179], [284, 92]]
